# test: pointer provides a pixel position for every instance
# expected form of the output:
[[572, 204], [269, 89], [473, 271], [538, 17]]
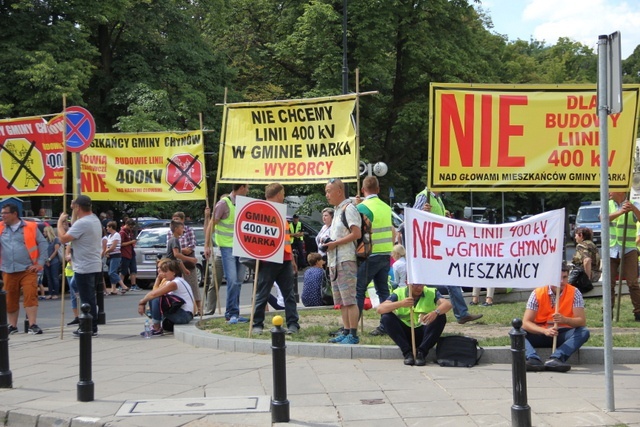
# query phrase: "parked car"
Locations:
[[152, 245]]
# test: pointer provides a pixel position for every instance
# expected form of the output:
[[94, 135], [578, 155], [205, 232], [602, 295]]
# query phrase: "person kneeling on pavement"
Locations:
[[167, 283], [542, 322], [429, 311]]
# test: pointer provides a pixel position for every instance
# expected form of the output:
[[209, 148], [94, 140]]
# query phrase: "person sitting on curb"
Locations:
[[168, 281], [542, 322], [429, 311]]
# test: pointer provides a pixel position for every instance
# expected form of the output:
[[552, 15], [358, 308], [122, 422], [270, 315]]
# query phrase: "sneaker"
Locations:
[[34, 330], [338, 339], [242, 319], [12, 330], [290, 330], [420, 359], [377, 332], [233, 320], [135, 288], [469, 318], [534, 365], [75, 321], [256, 330], [350, 339], [556, 365]]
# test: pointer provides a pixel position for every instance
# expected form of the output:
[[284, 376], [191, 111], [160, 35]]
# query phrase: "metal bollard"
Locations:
[[279, 402], [6, 379], [520, 410], [26, 324], [85, 385]]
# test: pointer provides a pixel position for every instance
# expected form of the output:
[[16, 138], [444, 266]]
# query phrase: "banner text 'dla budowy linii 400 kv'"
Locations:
[[527, 138], [448, 252], [292, 142], [144, 167]]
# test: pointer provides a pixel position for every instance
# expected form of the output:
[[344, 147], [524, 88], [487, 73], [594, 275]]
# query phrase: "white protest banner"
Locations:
[[448, 252], [259, 229]]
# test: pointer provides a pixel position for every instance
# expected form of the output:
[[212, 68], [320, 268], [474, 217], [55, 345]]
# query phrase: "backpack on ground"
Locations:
[[458, 351], [364, 245]]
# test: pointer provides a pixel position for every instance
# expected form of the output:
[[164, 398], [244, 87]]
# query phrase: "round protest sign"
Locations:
[[260, 230]]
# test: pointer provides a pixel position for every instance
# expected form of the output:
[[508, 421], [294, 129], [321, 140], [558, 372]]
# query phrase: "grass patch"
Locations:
[[492, 330]]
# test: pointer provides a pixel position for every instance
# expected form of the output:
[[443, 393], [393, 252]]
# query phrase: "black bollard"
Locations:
[[6, 379], [279, 402], [520, 410], [26, 324], [85, 385]]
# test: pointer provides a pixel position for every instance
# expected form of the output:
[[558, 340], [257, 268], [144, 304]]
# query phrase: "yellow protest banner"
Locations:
[[293, 142], [526, 138], [144, 167]]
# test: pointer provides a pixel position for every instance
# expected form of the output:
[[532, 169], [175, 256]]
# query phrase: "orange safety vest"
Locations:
[[30, 231], [545, 313]]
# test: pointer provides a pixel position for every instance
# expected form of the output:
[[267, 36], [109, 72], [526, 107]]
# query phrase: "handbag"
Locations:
[[458, 351], [170, 304], [579, 279]]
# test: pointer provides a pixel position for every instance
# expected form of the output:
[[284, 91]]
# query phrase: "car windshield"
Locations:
[[588, 215], [156, 238]]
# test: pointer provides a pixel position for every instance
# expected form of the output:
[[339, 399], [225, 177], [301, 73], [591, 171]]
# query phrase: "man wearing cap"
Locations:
[[429, 311], [85, 236], [23, 252], [297, 241], [543, 321]]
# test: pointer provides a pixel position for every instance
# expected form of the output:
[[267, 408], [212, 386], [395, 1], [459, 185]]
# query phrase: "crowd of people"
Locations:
[[95, 256]]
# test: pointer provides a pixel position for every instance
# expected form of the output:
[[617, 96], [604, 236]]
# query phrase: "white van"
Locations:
[[589, 216]]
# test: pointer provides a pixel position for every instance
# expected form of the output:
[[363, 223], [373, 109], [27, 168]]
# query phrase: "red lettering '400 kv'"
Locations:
[[464, 133]]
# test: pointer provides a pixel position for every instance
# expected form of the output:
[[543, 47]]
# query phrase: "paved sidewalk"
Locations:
[[134, 376]]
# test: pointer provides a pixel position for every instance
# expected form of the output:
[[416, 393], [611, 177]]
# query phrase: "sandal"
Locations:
[[487, 304], [473, 303]]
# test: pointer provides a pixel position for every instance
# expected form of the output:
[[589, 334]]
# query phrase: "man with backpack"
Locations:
[[376, 266], [341, 253], [430, 201]]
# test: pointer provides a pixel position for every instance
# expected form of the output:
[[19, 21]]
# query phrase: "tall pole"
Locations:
[[603, 112], [345, 66]]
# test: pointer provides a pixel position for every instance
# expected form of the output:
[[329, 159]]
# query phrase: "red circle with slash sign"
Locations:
[[260, 229]]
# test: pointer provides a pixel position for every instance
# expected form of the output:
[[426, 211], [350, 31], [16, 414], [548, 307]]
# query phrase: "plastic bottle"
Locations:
[[147, 329]]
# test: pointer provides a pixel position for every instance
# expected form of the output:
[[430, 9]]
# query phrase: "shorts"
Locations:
[[345, 283], [25, 280], [128, 266]]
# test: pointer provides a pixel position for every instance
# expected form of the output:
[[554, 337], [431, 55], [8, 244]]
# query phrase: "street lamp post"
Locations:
[[345, 67]]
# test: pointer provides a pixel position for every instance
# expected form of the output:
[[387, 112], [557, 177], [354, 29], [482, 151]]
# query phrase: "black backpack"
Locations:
[[458, 351], [364, 245]]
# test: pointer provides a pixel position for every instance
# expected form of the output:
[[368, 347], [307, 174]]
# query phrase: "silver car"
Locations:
[[152, 245]]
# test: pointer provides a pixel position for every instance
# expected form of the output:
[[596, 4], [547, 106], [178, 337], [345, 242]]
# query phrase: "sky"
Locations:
[[580, 20]]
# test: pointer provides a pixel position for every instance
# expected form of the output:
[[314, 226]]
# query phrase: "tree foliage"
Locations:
[[148, 65]]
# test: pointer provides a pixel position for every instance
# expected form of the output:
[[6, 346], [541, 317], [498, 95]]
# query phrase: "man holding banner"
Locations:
[[432, 202], [546, 319], [430, 314], [222, 224]]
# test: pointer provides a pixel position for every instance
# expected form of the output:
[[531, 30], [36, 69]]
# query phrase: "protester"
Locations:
[[341, 253], [430, 317], [545, 318], [222, 224], [376, 267], [399, 267], [281, 273], [128, 265], [624, 214], [297, 240], [323, 234], [314, 279], [168, 281], [23, 251], [114, 257], [53, 265], [85, 233], [585, 265], [188, 248]]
